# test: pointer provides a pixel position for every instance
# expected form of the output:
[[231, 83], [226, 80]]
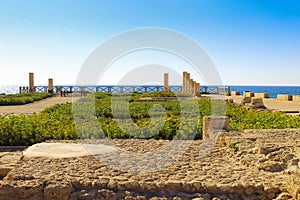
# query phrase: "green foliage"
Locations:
[[234, 146], [175, 119], [53, 123], [121, 117], [241, 118], [20, 99]]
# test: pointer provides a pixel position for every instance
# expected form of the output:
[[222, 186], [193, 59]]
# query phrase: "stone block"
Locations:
[[261, 95], [246, 100], [235, 93], [248, 94], [257, 103], [296, 98], [284, 97], [256, 100], [214, 123]]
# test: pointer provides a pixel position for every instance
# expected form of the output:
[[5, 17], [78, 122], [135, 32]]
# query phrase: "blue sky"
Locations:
[[252, 42]]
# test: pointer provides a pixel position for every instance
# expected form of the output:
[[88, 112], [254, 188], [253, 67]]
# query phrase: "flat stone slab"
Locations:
[[66, 150]]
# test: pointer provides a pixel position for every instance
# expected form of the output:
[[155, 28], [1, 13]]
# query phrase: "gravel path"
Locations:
[[34, 107]]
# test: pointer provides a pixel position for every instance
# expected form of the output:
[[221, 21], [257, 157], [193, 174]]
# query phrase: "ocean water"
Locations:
[[271, 90], [9, 89]]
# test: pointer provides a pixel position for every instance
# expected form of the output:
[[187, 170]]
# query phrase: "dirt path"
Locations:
[[33, 107]]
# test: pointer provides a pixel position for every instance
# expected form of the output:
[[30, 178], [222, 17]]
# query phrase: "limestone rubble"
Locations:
[[250, 164]]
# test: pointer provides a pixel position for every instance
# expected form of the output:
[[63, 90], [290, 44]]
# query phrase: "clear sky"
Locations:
[[252, 42]]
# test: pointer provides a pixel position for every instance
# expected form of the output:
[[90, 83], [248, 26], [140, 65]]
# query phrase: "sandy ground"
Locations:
[[33, 107], [270, 103], [273, 104]]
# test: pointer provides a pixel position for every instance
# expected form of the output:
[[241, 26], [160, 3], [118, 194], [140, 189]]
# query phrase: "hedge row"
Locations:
[[21, 99]]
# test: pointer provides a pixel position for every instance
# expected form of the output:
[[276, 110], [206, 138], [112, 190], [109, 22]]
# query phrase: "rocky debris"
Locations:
[[245, 100], [293, 185], [8, 161], [253, 103], [264, 166], [257, 103], [284, 196]]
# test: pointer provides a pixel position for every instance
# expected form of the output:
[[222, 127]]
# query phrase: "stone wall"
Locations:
[[261, 95], [296, 98], [235, 93], [248, 94], [285, 97]]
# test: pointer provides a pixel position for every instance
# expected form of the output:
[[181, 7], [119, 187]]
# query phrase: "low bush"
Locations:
[[21, 99], [57, 122]]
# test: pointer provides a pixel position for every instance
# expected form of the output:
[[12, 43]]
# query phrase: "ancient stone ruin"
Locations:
[[253, 103]]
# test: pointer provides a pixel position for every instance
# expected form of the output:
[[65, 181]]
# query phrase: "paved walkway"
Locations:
[[34, 107]]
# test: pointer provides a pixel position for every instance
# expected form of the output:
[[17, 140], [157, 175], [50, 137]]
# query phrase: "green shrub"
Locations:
[[57, 122], [21, 99]]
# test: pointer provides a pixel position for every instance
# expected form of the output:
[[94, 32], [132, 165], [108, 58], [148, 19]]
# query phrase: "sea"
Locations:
[[271, 90]]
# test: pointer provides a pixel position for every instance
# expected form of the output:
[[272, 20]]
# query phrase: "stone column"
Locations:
[[31, 82], [50, 85], [191, 86], [184, 82], [166, 82], [194, 88], [187, 82], [197, 90]]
